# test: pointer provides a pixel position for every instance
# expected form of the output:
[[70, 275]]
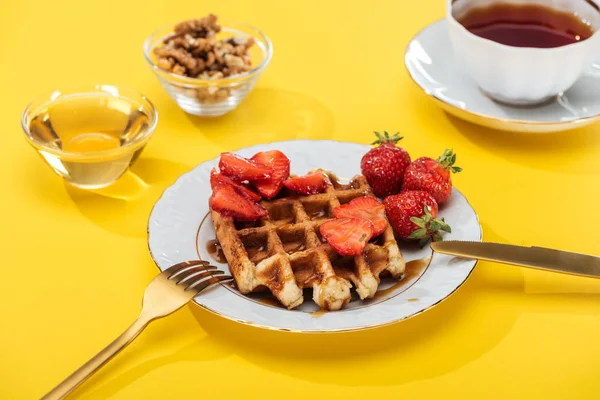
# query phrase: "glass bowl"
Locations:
[[90, 135], [212, 98]]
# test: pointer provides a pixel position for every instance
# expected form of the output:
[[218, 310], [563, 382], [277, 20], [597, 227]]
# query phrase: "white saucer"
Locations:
[[179, 229], [432, 65]]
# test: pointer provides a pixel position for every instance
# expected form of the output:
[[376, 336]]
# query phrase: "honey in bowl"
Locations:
[[526, 25], [92, 138]]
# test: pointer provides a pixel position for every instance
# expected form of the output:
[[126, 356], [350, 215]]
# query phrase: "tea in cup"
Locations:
[[524, 52]]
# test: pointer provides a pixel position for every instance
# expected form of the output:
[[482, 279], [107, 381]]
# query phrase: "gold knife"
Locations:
[[532, 257]]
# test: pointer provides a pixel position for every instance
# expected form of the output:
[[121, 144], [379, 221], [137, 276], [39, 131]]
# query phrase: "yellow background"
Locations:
[[75, 264]]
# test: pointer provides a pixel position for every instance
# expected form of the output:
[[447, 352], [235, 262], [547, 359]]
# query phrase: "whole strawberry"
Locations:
[[413, 215], [384, 165], [432, 176]]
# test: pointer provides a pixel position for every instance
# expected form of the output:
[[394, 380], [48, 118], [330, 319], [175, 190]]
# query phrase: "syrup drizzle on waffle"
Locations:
[[284, 252]]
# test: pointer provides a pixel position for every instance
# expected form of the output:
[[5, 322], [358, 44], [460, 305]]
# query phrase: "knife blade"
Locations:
[[531, 257]]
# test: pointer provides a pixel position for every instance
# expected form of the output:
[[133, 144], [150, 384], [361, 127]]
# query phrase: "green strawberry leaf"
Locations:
[[418, 222], [418, 234], [447, 160], [444, 226], [386, 138]]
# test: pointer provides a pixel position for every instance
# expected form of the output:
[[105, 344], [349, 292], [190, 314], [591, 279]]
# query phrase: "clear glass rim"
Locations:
[[115, 91], [228, 26]]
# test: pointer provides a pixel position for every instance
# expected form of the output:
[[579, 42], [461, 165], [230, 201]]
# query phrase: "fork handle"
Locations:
[[94, 364]]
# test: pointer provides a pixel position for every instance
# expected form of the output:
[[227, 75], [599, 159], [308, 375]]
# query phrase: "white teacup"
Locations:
[[523, 75]]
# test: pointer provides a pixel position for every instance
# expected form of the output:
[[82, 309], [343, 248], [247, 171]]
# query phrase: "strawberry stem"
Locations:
[[386, 138], [447, 161], [428, 228]]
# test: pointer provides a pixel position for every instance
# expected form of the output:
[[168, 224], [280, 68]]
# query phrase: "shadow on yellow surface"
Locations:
[[124, 207], [316, 358], [301, 117], [158, 338], [489, 303], [337, 358], [577, 149]]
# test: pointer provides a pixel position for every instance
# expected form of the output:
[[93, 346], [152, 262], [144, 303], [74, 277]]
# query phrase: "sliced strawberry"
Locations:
[[269, 188], [367, 208], [241, 169], [216, 178], [347, 236], [228, 201], [308, 184]]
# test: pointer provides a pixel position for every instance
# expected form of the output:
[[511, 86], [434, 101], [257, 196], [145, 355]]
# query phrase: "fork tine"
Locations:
[[200, 284], [182, 265], [188, 272], [199, 274], [181, 269]]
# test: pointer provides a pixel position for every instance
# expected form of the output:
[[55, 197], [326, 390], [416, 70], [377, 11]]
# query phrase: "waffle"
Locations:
[[285, 253]]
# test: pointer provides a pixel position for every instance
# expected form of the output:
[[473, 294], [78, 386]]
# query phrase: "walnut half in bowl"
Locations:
[[206, 67]]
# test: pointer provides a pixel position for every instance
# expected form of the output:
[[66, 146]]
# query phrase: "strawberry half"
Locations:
[[347, 236], [308, 184], [230, 202], [241, 169], [217, 178], [367, 208], [280, 164]]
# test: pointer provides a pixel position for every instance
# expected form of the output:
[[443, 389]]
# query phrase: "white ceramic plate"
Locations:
[[432, 65], [179, 230]]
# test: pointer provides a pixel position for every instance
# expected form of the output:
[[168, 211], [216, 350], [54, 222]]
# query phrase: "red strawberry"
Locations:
[[217, 178], [313, 183], [228, 201], [384, 166], [269, 188], [366, 208], [241, 169], [347, 236], [432, 176], [413, 215]]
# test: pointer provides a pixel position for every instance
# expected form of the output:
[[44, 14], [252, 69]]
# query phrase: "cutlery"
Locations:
[[532, 257], [167, 293]]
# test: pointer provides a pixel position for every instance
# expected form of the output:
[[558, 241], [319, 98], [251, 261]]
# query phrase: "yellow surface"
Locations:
[[75, 263]]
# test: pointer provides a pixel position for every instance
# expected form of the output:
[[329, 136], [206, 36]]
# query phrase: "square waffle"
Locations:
[[285, 253]]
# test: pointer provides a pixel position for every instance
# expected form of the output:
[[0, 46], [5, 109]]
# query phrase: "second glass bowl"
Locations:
[[90, 135], [211, 98]]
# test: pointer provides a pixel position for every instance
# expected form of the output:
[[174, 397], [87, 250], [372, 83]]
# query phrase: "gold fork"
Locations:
[[167, 293]]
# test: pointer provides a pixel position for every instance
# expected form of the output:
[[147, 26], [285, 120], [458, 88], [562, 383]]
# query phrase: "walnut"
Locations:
[[237, 41], [193, 51], [233, 61], [203, 44], [179, 42], [210, 59], [166, 63], [249, 42], [198, 27], [181, 55], [179, 69], [222, 94]]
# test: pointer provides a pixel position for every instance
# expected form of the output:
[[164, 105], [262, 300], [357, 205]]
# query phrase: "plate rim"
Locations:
[[307, 331], [519, 123]]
